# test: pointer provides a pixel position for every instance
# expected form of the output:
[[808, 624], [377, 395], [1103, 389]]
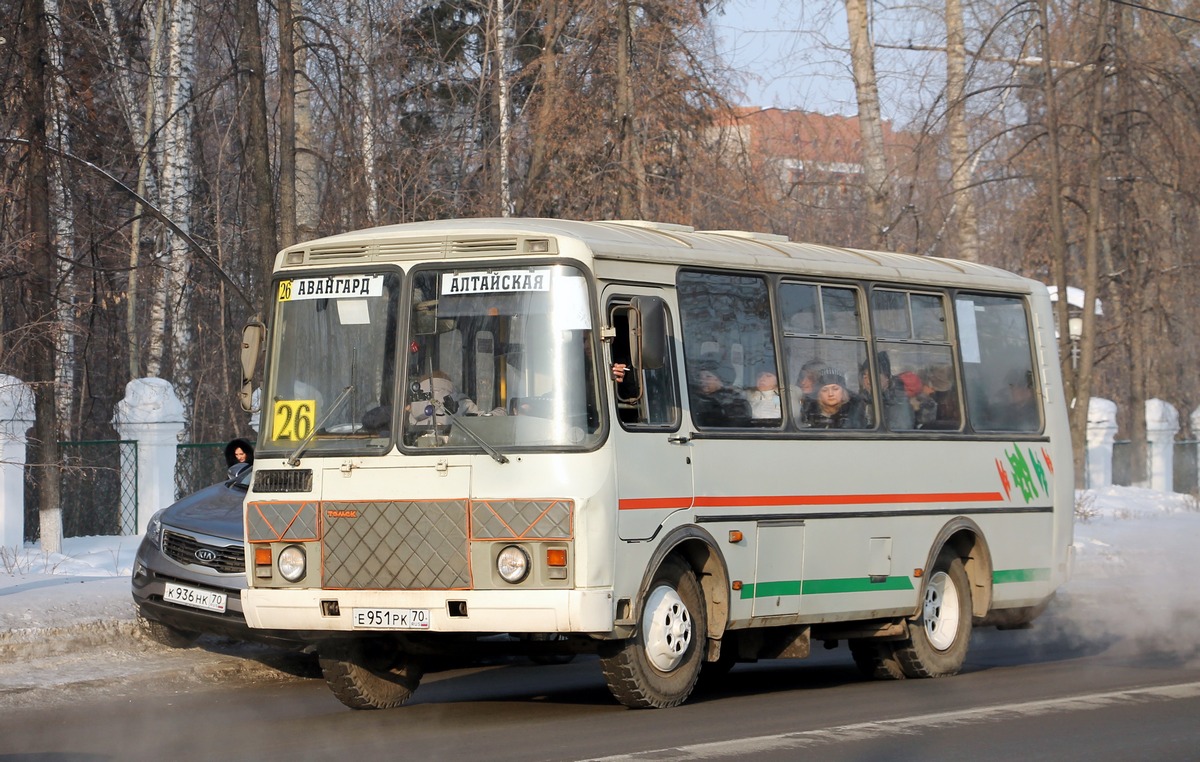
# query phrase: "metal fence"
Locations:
[[99, 490], [198, 465], [100, 485]]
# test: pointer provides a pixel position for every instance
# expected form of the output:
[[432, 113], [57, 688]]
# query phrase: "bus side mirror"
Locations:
[[252, 344], [650, 328]]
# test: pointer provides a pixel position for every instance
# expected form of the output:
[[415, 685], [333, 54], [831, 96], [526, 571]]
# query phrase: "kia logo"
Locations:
[[206, 555]]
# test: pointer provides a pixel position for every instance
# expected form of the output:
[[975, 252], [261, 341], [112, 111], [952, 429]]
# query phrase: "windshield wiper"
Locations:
[[294, 459], [497, 456]]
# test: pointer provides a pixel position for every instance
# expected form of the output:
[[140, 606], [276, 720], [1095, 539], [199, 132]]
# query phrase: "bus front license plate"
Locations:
[[390, 619]]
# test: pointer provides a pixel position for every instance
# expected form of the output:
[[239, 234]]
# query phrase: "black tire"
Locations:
[[165, 634], [369, 673], [659, 666], [939, 637], [549, 658], [713, 674], [876, 659]]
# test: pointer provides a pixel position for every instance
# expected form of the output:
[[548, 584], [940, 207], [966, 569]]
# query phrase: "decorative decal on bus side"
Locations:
[[495, 282], [1025, 472]]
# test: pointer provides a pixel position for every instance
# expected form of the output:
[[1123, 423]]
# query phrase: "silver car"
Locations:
[[190, 568]]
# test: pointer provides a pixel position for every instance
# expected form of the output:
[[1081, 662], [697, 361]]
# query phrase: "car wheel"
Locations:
[[659, 666], [369, 673], [165, 634]]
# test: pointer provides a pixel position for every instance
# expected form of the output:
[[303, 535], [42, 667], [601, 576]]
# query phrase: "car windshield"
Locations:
[[500, 358], [333, 348]]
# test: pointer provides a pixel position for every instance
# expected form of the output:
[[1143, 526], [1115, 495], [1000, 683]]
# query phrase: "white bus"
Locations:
[[807, 444]]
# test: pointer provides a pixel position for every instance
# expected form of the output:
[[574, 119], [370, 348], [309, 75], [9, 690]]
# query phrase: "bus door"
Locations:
[[654, 471]]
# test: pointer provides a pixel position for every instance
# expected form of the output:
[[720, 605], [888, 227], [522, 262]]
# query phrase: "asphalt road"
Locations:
[[1024, 695]]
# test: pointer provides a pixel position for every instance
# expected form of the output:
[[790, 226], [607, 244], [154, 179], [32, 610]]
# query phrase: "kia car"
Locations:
[[190, 568]]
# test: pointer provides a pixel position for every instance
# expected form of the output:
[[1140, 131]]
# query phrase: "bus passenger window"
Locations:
[[729, 348], [1002, 394]]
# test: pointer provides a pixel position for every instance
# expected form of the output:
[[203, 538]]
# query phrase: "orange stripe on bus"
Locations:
[[643, 503], [753, 501]]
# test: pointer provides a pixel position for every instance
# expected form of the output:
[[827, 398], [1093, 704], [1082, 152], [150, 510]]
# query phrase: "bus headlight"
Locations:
[[513, 564], [291, 563]]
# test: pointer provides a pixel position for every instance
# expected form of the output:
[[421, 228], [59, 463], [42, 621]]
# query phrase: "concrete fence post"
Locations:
[[1162, 424], [1101, 431], [16, 418], [151, 415]]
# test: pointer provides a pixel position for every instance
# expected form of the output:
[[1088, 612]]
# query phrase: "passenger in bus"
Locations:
[[804, 391], [438, 398], [714, 403], [764, 397], [937, 406], [1022, 412], [834, 407], [897, 412]]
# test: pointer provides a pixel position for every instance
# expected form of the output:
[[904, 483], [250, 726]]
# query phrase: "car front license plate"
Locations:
[[197, 598], [390, 619]]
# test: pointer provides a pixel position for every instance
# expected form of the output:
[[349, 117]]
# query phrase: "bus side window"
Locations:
[[998, 356]]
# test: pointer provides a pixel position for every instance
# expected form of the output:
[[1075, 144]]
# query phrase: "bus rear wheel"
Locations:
[[876, 659], [938, 639], [659, 666], [369, 673]]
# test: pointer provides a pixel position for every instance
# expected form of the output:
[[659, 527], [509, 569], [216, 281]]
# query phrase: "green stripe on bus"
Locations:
[[824, 586], [1001, 576]]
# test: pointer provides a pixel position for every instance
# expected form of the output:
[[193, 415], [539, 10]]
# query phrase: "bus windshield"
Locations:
[[503, 355], [333, 360]]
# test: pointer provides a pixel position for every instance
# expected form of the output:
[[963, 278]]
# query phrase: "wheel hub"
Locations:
[[668, 628], [940, 611]]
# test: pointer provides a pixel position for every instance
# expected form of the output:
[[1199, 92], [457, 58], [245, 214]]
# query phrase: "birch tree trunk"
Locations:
[[630, 201], [501, 31], [177, 190], [966, 223], [308, 209], [360, 17], [62, 216], [870, 121]]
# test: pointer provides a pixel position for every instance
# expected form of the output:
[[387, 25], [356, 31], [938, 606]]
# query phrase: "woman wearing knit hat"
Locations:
[[833, 407]]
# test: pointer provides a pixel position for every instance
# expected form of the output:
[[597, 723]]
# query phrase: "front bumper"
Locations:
[[458, 611]]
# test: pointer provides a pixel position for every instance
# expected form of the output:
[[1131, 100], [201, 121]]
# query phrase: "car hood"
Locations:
[[215, 510]]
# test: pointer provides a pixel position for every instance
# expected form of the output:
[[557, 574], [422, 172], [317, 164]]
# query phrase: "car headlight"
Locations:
[[513, 564], [154, 528], [291, 563]]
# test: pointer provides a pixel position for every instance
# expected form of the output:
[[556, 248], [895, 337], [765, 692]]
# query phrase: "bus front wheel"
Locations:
[[938, 638], [369, 673], [659, 666]]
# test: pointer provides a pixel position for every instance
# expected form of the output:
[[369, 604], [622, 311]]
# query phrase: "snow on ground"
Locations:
[[1132, 575]]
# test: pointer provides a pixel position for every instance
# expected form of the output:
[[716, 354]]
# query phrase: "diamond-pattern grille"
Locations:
[[416, 545], [527, 519], [296, 522]]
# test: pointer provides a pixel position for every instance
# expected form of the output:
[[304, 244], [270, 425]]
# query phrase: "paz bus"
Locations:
[[674, 449]]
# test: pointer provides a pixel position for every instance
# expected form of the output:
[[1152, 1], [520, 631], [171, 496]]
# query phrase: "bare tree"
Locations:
[[966, 235], [40, 311], [870, 119]]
